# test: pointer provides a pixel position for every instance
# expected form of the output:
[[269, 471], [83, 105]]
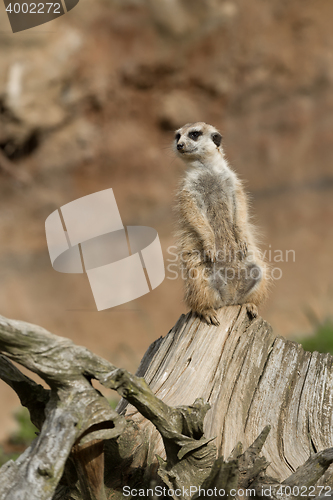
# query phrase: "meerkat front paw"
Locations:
[[210, 317], [252, 310]]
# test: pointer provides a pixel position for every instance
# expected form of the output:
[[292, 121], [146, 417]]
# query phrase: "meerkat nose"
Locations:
[[180, 146]]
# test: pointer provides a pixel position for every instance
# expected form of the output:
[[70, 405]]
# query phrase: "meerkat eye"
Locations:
[[195, 134], [217, 139], [177, 137]]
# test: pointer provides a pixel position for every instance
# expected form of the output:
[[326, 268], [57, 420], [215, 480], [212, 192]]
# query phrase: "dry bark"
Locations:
[[251, 379], [205, 391]]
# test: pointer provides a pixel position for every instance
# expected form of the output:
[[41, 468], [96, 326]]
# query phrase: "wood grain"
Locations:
[[251, 379]]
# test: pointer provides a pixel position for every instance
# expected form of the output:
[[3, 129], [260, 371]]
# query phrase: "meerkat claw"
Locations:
[[214, 320], [252, 310], [210, 317]]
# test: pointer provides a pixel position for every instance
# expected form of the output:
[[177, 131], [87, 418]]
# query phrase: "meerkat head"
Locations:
[[197, 141]]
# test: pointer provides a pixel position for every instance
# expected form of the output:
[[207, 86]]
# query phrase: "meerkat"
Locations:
[[219, 256]]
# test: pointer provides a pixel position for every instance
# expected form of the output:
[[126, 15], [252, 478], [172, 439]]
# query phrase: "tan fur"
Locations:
[[219, 257]]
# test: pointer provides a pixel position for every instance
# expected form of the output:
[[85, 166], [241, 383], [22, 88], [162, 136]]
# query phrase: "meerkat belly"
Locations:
[[217, 195], [221, 222]]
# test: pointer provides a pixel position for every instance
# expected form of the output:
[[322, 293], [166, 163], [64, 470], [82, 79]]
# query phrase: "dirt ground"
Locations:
[[91, 100]]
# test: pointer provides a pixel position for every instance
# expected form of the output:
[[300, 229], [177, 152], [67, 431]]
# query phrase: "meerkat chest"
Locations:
[[214, 192]]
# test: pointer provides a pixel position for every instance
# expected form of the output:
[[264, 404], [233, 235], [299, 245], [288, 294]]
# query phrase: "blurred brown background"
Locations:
[[91, 100]]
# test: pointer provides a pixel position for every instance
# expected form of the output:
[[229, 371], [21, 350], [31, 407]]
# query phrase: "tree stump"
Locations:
[[251, 379], [207, 392]]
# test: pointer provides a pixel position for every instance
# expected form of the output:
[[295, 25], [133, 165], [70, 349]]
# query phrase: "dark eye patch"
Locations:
[[177, 137], [194, 134]]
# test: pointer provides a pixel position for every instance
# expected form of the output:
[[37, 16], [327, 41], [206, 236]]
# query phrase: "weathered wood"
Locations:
[[251, 464], [33, 396], [251, 379], [75, 411], [189, 455], [255, 384], [89, 464], [312, 470], [78, 417]]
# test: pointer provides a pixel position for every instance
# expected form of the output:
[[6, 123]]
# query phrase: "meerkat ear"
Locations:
[[217, 139]]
